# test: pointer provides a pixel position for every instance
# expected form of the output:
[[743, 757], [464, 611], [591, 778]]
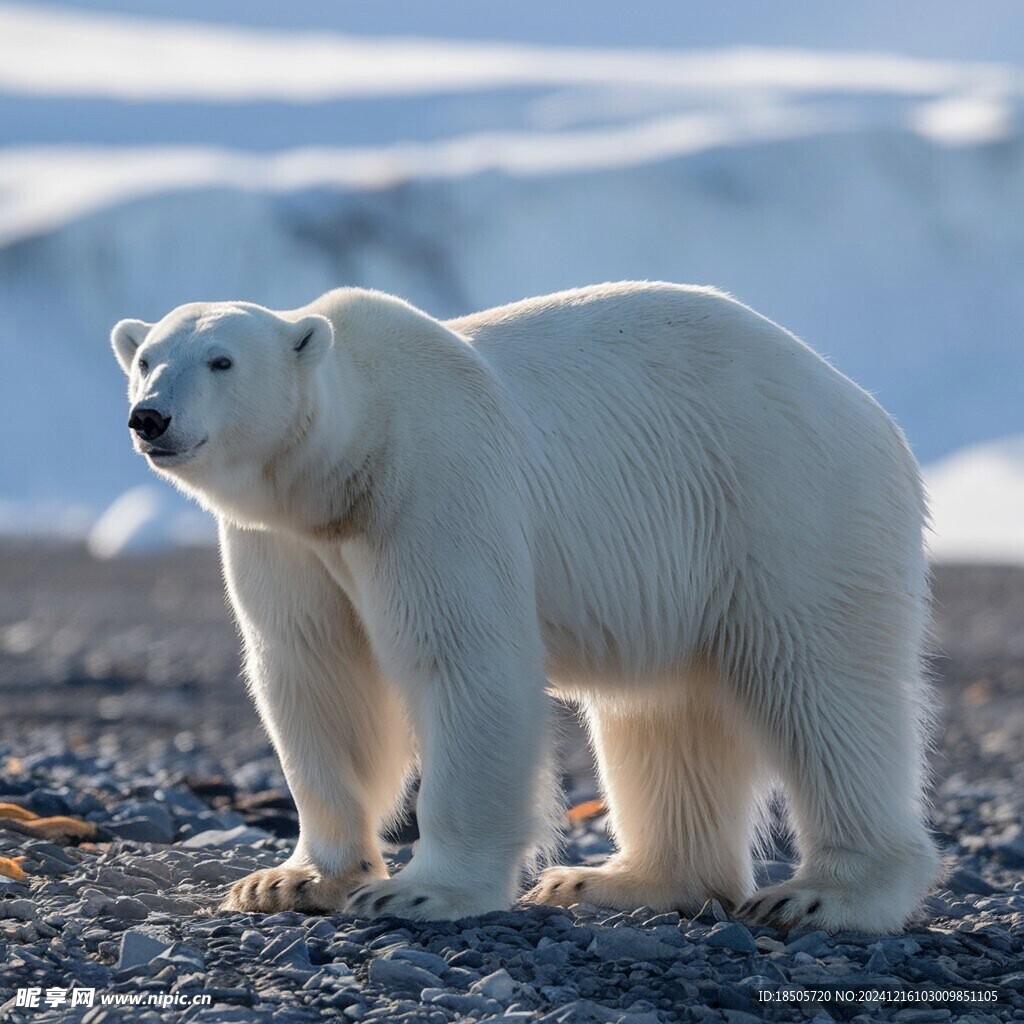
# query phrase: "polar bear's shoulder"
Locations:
[[365, 309], [595, 300]]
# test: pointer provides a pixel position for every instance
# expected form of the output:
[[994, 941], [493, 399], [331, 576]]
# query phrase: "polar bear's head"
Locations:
[[216, 386]]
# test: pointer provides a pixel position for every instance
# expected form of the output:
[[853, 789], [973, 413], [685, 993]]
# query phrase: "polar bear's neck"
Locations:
[[319, 478]]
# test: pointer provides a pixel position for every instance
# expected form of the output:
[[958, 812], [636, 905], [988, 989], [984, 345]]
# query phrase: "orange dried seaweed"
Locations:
[[15, 813], [585, 811], [57, 827], [11, 867]]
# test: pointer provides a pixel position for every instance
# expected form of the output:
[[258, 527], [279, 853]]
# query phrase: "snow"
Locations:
[[132, 58], [42, 188], [965, 120], [146, 519], [977, 497], [866, 200], [988, 29]]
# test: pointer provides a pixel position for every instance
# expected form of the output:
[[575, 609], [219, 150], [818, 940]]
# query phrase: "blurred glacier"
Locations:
[[977, 495], [870, 202]]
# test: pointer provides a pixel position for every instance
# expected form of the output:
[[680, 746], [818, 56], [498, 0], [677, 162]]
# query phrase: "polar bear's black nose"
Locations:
[[149, 424]]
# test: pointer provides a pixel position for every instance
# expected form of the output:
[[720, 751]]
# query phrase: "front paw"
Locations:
[[289, 888], [618, 884], [420, 899]]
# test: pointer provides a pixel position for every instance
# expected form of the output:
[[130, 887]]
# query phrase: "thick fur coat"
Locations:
[[646, 498]]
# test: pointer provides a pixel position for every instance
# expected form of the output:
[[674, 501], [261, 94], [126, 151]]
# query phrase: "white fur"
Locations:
[[645, 496]]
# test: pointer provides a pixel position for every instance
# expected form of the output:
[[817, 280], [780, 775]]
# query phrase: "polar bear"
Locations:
[[645, 498]]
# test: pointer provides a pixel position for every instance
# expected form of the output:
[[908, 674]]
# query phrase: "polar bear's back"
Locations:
[[664, 421], [612, 333]]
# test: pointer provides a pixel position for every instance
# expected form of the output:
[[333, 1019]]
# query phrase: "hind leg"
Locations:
[[848, 747], [680, 778]]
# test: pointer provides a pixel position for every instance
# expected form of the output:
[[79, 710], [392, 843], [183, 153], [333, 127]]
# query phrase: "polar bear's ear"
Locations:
[[125, 338], [311, 337]]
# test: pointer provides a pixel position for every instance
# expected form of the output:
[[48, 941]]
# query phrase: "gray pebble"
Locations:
[[240, 835], [497, 985], [157, 815], [139, 948], [730, 935], [812, 943], [629, 944], [127, 908], [402, 976], [428, 961], [464, 1004]]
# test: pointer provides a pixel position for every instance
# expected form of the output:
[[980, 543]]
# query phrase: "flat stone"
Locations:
[[128, 908], [629, 944], [421, 958], [227, 1014], [167, 904], [283, 940], [580, 1010], [813, 943], [183, 955], [143, 816], [241, 835], [467, 958], [295, 955], [961, 881], [22, 910], [1008, 847], [402, 976], [462, 1003], [730, 935], [878, 961], [498, 985], [139, 948], [217, 872]]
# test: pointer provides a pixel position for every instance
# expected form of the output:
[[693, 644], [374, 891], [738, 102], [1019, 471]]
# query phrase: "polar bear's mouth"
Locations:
[[167, 455]]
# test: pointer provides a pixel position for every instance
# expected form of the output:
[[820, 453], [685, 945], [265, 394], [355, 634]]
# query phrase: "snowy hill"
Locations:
[[978, 497], [868, 202]]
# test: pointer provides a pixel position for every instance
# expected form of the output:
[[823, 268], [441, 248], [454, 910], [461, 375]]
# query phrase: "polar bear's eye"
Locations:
[[143, 366], [221, 363]]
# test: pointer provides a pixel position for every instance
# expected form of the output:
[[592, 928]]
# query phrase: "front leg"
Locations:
[[470, 666], [337, 726]]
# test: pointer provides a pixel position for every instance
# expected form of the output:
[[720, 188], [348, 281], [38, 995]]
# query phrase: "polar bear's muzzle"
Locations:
[[150, 427], [148, 423]]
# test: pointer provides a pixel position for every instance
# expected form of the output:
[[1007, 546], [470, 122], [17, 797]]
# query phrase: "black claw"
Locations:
[[774, 912], [578, 887], [356, 891], [364, 865], [382, 901], [277, 883], [754, 908], [555, 887], [814, 906], [302, 885], [419, 901]]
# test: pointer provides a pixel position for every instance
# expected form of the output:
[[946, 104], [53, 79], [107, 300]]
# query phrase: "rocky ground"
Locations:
[[122, 707]]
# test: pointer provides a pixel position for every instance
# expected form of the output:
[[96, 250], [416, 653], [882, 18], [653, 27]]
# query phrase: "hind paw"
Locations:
[[792, 905], [613, 884]]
